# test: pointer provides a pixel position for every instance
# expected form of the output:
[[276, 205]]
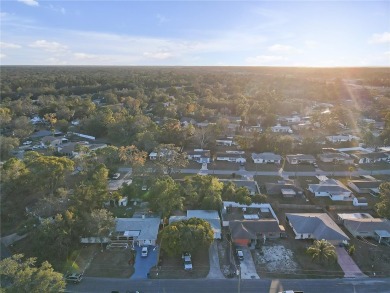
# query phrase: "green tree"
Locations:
[[25, 277], [322, 251], [132, 155], [169, 158], [99, 223], [7, 145], [165, 197], [48, 172], [188, 235], [204, 192], [22, 127], [383, 206]]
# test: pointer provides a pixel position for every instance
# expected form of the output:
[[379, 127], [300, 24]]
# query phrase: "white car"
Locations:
[[187, 261], [116, 176], [144, 251]]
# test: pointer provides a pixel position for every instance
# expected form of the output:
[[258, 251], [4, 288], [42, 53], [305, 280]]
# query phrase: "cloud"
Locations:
[[2, 56], [48, 46], [158, 55], [29, 2], [161, 19], [265, 60], [311, 44], [280, 48], [380, 38], [4, 45], [57, 9]]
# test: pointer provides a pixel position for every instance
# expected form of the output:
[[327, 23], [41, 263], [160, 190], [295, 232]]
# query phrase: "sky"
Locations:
[[195, 33]]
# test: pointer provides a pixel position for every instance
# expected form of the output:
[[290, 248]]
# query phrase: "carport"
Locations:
[[143, 265]]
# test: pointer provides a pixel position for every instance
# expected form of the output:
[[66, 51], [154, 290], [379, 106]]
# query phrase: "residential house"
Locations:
[[246, 232], [315, 226], [233, 211], [43, 133], [231, 157], [332, 188], [375, 157], [253, 128], [364, 186], [140, 231], [368, 227], [341, 138], [339, 158], [360, 202], [266, 158], [51, 141], [199, 155], [251, 185], [186, 121], [300, 159], [225, 141], [291, 119], [281, 129], [286, 189], [212, 217]]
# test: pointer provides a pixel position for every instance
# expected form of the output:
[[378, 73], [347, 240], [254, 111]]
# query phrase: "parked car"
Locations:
[[144, 251], [187, 261], [240, 254], [116, 176], [73, 278]]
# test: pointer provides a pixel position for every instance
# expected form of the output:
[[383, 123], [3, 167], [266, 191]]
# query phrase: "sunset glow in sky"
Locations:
[[244, 33]]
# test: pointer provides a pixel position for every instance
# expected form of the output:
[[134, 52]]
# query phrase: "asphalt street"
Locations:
[[97, 285]]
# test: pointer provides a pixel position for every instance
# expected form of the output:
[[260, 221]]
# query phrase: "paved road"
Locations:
[[97, 285], [277, 173]]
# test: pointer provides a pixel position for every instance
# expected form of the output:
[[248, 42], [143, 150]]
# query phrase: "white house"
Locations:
[[360, 202], [266, 158], [142, 231], [227, 141], [300, 159], [281, 129], [231, 157], [315, 226], [199, 155], [341, 138], [332, 188]]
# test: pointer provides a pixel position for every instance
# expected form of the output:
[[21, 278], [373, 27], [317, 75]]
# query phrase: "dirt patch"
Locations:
[[275, 258]]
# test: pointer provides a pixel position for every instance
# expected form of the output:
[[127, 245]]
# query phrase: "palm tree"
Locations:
[[322, 250]]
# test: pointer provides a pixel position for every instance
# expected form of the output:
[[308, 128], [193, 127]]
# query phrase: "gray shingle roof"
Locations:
[[148, 227], [318, 224], [367, 224], [249, 229]]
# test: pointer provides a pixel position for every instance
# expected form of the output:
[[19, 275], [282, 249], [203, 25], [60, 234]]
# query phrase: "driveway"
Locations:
[[215, 269], [143, 265], [248, 269], [351, 270]]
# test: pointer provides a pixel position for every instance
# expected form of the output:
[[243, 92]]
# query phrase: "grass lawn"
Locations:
[[122, 212], [80, 259], [298, 168], [111, 264], [333, 167], [376, 166], [172, 267], [223, 165], [250, 166], [261, 180]]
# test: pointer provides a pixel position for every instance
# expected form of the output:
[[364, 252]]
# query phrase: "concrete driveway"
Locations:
[[143, 265], [248, 269], [351, 270], [215, 269]]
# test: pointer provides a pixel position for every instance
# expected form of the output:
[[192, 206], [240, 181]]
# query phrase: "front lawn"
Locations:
[[171, 267], [111, 264], [250, 166], [298, 168]]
